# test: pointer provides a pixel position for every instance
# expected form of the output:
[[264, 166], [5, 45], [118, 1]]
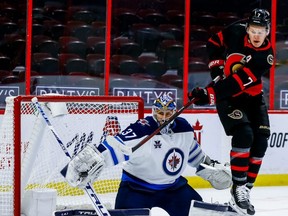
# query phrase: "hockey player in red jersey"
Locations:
[[241, 54]]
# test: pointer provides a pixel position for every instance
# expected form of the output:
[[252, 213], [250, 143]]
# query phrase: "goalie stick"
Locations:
[[89, 190], [175, 115]]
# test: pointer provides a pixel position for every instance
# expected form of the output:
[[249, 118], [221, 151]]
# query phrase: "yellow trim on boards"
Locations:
[[111, 186], [262, 180]]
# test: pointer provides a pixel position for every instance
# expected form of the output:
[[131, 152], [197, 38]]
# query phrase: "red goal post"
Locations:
[[31, 160]]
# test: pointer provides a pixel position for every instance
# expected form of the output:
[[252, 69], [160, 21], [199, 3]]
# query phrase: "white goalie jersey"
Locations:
[[163, 158], [157, 164]]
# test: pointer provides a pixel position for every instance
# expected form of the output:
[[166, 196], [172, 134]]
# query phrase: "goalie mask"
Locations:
[[163, 108]]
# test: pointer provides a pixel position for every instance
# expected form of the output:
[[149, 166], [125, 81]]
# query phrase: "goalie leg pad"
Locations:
[[199, 208], [84, 167], [218, 175]]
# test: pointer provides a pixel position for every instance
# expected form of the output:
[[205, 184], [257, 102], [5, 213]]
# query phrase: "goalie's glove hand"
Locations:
[[85, 167], [202, 96], [217, 174]]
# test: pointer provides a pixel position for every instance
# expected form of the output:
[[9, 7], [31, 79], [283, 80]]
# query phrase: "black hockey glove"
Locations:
[[203, 96], [216, 68]]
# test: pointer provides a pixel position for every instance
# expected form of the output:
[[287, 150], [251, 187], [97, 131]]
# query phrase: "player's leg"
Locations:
[[237, 125], [260, 122], [176, 201], [257, 153], [185, 201], [131, 196], [239, 159]]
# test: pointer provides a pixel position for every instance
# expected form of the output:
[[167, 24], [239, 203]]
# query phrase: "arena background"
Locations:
[[144, 48]]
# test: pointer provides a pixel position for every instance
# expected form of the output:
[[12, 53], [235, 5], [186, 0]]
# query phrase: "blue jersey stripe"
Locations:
[[112, 152]]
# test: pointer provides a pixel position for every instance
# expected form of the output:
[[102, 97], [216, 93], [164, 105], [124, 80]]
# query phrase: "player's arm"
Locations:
[[117, 148], [240, 80], [216, 47], [131, 136], [216, 50], [217, 174], [116, 142]]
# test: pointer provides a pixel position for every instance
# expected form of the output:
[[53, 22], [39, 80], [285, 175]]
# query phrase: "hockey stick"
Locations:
[[98, 206], [175, 115]]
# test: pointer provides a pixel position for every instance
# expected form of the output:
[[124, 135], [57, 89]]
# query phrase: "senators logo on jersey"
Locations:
[[236, 114], [235, 62]]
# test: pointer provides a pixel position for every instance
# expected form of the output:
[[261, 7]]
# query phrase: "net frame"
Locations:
[[51, 98]]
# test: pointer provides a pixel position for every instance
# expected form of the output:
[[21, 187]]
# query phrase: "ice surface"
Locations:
[[268, 201]]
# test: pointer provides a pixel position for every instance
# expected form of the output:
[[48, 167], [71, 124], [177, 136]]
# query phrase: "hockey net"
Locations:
[[31, 158]]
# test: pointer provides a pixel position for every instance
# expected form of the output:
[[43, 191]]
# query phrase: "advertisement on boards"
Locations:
[[212, 138]]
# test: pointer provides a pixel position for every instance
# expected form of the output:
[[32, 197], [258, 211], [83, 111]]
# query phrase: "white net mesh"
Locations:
[[42, 159]]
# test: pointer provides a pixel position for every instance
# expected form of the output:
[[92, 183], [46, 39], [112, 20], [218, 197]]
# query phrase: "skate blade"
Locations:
[[237, 209]]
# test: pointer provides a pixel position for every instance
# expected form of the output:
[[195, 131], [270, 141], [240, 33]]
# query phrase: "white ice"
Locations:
[[268, 201]]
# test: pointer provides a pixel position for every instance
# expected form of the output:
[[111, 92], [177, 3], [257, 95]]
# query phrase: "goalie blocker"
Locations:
[[217, 174]]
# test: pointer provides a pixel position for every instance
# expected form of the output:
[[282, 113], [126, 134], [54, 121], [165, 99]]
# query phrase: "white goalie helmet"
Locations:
[[163, 108]]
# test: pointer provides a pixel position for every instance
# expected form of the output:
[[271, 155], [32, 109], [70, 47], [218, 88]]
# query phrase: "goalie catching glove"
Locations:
[[84, 167], [217, 174]]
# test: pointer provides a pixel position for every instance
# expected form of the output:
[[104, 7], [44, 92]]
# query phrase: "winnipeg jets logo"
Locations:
[[157, 144], [173, 161], [236, 114]]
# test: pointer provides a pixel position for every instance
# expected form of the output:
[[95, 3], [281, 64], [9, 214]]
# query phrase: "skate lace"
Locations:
[[242, 193]]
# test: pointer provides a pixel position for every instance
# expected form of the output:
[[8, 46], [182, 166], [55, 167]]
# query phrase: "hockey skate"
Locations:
[[233, 207], [240, 200], [251, 210]]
